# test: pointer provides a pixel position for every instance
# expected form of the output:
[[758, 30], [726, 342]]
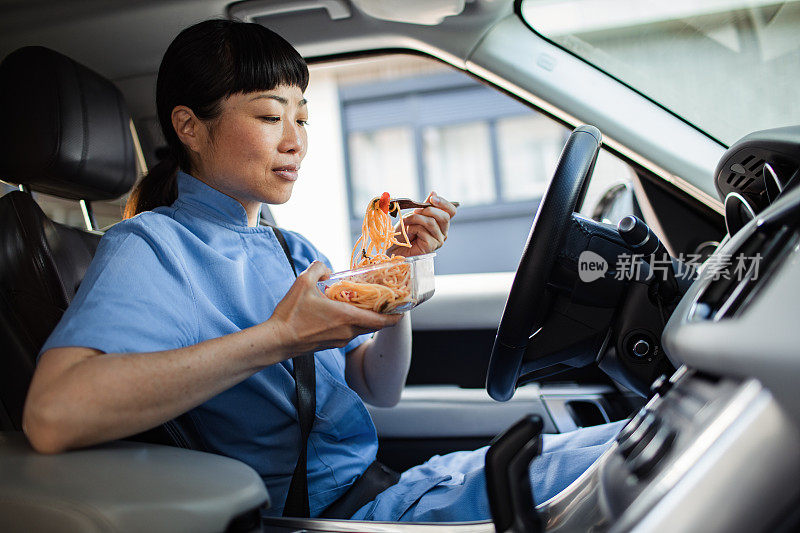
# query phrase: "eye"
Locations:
[[303, 122], [270, 119]]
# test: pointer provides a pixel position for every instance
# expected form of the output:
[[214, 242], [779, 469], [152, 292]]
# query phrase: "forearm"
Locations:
[[377, 369], [79, 402]]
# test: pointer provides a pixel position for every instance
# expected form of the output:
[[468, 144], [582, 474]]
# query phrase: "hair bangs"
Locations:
[[260, 60]]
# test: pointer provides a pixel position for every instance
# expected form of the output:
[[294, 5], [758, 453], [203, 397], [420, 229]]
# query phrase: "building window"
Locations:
[[381, 158], [528, 148], [448, 133], [458, 160]]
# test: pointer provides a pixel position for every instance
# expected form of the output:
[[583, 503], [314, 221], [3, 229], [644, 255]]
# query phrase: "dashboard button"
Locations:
[[641, 348], [642, 463], [642, 434]]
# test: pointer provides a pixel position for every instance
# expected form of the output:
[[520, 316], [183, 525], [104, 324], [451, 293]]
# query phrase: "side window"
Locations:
[[409, 125], [609, 196]]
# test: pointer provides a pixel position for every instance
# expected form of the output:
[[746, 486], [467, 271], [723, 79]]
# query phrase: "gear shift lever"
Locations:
[[508, 480]]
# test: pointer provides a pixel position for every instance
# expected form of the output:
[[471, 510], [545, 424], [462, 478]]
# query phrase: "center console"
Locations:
[[701, 444]]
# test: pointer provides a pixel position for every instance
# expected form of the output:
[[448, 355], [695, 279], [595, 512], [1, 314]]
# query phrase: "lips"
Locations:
[[287, 172]]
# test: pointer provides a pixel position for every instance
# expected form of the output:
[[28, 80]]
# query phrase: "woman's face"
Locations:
[[254, 149]]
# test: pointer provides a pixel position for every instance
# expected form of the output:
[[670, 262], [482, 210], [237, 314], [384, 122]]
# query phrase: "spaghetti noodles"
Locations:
[[383, 282]]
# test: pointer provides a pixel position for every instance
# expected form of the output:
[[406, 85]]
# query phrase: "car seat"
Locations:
[[64, 131]]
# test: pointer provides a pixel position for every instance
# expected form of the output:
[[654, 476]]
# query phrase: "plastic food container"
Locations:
[[392, 288]]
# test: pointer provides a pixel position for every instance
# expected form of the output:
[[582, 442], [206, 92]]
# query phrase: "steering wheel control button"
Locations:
[[639, 236], [643, 241], [642, 464], [633, 230], [640, 435]]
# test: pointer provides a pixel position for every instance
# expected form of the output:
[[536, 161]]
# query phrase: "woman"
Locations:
[[192, 306]]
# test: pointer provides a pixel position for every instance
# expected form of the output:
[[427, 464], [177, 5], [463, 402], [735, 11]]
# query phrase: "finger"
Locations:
[[372, 320], [362, 331], [418, 244], [360, 320], [424, 240], [441, 216], [428, 222], [443, 204], [316, 271], [400, 250], [391, 317], [431, 243]]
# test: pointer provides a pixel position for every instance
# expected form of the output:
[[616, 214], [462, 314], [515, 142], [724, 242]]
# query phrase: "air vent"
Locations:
[[756, 166], [745, 173], [736, 279]]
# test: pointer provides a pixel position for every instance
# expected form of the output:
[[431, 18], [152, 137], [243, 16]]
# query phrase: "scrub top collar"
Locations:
[[212, 203]]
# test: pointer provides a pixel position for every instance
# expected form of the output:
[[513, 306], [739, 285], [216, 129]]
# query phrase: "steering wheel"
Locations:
[[527, 304]]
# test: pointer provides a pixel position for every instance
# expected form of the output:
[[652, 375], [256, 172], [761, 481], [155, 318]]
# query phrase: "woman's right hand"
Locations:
[[306, 321]]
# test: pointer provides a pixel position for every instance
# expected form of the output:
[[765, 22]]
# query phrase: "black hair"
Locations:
[[206, 63]]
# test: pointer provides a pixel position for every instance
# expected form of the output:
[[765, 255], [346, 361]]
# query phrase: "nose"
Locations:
[[293, 140]]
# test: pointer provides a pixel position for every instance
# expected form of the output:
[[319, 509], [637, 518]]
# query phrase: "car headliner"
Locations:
[[124, 40]]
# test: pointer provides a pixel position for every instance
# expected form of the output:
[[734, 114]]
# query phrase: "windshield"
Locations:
[[727, 66]]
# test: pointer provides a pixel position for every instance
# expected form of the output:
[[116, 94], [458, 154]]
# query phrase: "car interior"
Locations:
[[668, 301]]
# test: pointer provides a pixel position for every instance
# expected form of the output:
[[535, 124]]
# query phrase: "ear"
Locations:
[[191, 131]]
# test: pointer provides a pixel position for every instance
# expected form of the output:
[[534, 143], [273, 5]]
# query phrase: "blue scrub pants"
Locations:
[[452, 487]]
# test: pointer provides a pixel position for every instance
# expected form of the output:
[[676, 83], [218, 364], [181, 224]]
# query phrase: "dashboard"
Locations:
[[743, 323], [718, 444]]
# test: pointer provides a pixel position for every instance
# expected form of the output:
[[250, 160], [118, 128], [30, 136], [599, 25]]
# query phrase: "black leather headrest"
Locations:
[[64, 129]]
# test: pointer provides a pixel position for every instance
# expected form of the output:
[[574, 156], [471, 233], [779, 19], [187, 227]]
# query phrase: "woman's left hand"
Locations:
[[426, 227]]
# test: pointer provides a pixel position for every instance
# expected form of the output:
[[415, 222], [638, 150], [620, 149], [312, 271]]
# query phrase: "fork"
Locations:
[[407, 203]]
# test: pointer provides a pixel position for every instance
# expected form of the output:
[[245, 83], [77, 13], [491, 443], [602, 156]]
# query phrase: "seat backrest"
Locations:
[[65, 131], [41, 266]]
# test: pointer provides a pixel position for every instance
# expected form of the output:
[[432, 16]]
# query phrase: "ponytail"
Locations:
[[156, 188]]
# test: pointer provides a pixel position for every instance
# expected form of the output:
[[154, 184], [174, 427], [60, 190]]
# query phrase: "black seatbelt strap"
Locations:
[[375, 479], [306, 383]]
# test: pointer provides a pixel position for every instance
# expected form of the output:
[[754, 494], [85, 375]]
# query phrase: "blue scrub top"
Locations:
[[194, 271]]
